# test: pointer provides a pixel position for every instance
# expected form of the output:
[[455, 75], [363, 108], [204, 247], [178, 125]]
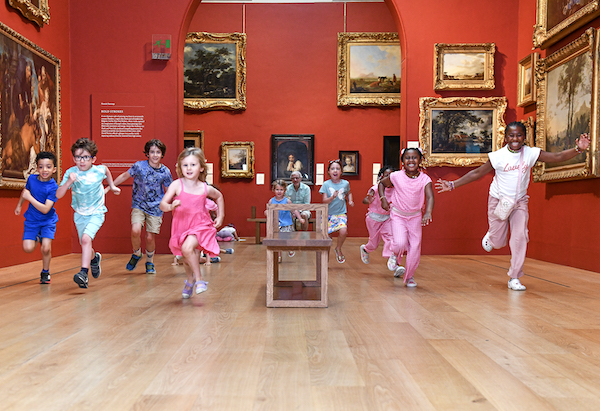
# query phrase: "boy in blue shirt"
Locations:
[[150, 180], [40, 217], [87, 199]]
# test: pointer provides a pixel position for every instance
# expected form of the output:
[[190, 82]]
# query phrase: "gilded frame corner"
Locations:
[[584, 165], [444, 82], [544, 36], [346, 94], [244, 166], [40, 14], [219, 102], [529, 131], [527, 89], [495, 106]]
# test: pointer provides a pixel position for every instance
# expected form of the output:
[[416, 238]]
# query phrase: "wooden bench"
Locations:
[[263, 220], [316, 241]]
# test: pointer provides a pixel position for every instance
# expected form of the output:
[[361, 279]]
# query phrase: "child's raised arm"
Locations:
[[429, 200], [581, 144], [62, 189], [473, 175], [383, 183], [165, 204], [369, 198], [217, 196], [43, 208]]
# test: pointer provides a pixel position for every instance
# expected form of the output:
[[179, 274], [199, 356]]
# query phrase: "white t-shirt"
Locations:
[[506, 165]]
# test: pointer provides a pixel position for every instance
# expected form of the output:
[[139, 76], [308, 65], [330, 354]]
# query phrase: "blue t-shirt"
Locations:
[[285, 217], [41, 191], [87, 192], [338, 204], [149, 185]]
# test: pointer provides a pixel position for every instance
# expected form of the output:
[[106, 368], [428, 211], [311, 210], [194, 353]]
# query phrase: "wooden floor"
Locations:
[[459, 341]]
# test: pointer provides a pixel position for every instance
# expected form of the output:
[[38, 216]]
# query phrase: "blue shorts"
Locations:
[[37, 230], [88, 224]]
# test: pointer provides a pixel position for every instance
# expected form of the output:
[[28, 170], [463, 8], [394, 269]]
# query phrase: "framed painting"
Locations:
[[530, 131], [464, 66], [568, 106], [193, 138], [293, 152], [34, 10], [460, 131], [237, 159], [214, 71], [557, 18], [527, 90], [349, 162], [369, 69], [29, 107]]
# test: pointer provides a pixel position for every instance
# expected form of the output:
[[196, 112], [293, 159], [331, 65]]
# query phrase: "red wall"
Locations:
[[54, 38]]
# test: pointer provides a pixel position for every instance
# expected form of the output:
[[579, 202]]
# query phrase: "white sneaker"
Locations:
[[392, 264], [411, 283], [399, 272], [364, 255], [515, 284], [485, 242]]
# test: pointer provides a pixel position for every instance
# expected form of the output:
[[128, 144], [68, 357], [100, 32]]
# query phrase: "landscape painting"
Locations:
[[464, 66], [461, 131]]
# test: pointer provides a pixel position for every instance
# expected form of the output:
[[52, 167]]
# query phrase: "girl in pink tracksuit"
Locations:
[[411, 190]]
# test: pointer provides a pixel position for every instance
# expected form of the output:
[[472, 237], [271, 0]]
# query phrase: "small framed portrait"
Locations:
[[557, 18], [35, 10], [464, 66], [292, 152], [214, 71], [237, 159], [349, 161], [460, 131], [527, 92], [530, 131], [193, 138]]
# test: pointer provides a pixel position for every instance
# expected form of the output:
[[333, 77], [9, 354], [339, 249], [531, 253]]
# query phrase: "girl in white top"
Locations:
[[506, 164]]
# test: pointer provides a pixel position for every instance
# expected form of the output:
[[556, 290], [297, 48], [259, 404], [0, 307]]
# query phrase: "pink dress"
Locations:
[[192, 218]]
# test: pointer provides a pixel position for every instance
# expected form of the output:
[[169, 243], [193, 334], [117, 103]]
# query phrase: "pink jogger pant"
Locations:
[[407, 234], [379, 231], [519, 234]]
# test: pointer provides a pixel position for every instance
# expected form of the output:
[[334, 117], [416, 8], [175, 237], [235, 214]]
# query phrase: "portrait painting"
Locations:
[[526, 93], [237, 159], [214, 71], [291, 153], [464, 66], [369, 69], [29, 106], [349, 161], [557, 18]]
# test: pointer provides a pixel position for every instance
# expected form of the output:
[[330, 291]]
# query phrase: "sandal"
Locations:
[[339, 257], [187, 290]]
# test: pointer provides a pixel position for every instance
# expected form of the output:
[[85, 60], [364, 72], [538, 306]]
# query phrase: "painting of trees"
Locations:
[[209, 70], [461, 131]]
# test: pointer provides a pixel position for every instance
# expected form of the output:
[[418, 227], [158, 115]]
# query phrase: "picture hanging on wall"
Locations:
[[34, 10], [350, 163], [193, 138], [464, 66], [557, 18], [369, 69], [527, 90], [567, 107], [214, 71], [530, 131], [30, 107], [237, 159], [293, 152], [460, 131]]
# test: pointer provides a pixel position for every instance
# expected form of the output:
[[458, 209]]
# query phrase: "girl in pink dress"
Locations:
[[412, 189], [192, 228]]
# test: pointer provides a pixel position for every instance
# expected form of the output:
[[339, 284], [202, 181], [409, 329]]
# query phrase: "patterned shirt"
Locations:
[[149, 186]]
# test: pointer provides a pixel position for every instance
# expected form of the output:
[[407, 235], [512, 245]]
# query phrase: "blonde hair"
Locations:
[[278, 183], [199, 154]]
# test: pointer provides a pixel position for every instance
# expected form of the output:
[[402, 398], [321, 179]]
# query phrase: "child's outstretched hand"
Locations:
[[116, 190], [442, 185], [426, 219], [583, 142]]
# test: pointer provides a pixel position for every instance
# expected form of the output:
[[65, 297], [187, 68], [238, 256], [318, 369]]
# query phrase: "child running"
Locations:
[[335, 192], [87, 199], [150, 179], [286, 224], [378, 223], [40, 217], [512, 171], [411, 189], [192, 228]]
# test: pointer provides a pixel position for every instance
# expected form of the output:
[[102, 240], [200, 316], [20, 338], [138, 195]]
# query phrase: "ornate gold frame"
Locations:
[[228, 172], [345, 98], [544, 36], [38, 14], [488, 82], [527, 64], [530, 131], [237, 103], [427, 104], [586, 44]]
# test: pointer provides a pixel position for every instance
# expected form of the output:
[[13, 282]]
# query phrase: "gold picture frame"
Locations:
[[214, 89], [38, 12], [237, 159], [527, 90], [554, 19], [362, 78], [529, 131], [460, 131], [451, 72], [568, 106]]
